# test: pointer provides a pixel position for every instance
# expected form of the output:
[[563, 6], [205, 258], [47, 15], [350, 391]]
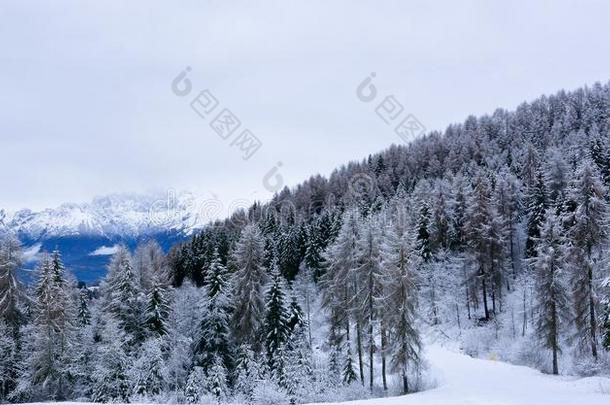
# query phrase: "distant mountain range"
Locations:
[[87, 234]]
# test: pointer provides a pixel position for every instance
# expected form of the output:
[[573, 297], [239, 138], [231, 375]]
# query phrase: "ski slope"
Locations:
[[467, 381]]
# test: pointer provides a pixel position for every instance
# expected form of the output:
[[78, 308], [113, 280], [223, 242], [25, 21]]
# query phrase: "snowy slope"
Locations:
[[465, 380]]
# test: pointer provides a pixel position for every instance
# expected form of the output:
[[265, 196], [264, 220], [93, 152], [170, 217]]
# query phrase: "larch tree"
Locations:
[[588, 232], [369, 274], [340, 284], [401, 261], [49, 368], [552, 296]]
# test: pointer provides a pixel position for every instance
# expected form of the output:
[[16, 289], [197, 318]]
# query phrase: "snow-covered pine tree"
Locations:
[[295, 316], [477, 226], [552, 307], [319, 235], [441, 225], [123, 297], [556, 177], [157, 308], [214, 338], [12, 317], [147, 373], [508, 201], [588, 232], [276, 320], [248, 284], [348, 373], [195, 387], [537, 206], [305, 288], [84, 314], [401, 261], [423, 231], [298, 368], [600, 153], [8, 359], [49, 368], [11, 290], [111, 380], [248, 372], [216, 379]]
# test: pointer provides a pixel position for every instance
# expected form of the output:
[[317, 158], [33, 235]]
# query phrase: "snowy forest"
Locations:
[[492, 234]]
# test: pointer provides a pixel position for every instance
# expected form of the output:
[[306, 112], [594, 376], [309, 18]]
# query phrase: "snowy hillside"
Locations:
[[464, 380], [461, 379]]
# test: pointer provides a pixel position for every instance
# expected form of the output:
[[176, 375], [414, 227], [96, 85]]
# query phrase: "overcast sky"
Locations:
[[86, 106]]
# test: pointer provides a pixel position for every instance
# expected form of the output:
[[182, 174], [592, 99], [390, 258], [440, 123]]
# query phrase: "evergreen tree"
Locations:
[[537, 205], [8, 358], [298, 368], [147, 372], [423, 232], [477, 226], [552, 292], [248, 285], [295, 317], [123, 296], [195, 386], [216, 380], [214, 331], [84, 315], [157, 309], [11, 290], [111, 382], [11, 315], [276, 320], [247, 373]]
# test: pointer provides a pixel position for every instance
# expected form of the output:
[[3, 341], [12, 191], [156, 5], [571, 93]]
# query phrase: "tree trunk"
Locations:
[[360, 359], [484, 285], [593, 321], [383, 359], [405, 383], [371, 354], [554, 339], [524, 312]]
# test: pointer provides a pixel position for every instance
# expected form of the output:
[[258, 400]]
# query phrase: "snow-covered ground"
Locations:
[[464, 380]]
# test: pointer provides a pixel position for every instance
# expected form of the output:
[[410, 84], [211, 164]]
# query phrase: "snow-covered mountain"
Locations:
[[129, 215], [87, 233]]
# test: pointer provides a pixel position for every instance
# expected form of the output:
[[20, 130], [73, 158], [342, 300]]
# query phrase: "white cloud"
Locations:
[[105, 251], [32, 253]]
